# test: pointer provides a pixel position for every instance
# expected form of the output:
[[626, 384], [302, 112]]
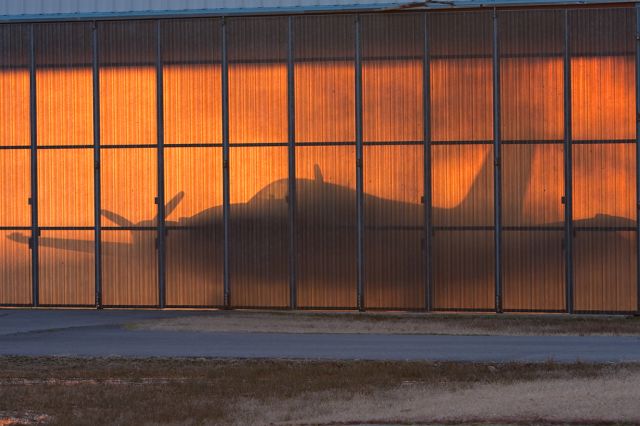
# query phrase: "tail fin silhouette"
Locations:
[[515, 187]]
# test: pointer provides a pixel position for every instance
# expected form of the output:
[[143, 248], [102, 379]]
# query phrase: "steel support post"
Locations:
[[96, 169], [497, 175], [162, 232], [291, 119], [225, 164], [426, 109], [568, 185], [359, 174], [637, 13], [35, 231]]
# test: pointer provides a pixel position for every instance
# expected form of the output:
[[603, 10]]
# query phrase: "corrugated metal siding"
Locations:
[[129, 268], [66, 274], [392, 69], [65, 187], [258, 235], [604, 173], [15, 187], [259, 270], [531, 68], [15, 271], [531, 90], [191, 57], [15, 164], [462, 159], [325, 110], [195, 248]]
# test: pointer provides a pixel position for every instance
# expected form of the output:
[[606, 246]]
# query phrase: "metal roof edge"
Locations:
[[300, 10]]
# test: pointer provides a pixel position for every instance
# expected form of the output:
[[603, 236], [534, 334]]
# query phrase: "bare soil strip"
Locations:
[[202, 391], [398, 323]]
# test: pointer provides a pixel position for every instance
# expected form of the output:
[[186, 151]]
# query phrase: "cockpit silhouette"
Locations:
[[259, 229]]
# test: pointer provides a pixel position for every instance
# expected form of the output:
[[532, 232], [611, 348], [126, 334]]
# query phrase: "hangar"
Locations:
[[377, 154]]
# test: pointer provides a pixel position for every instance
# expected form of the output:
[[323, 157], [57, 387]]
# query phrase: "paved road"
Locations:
[[102, 333]]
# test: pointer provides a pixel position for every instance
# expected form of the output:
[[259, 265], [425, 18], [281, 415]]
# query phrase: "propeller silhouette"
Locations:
[[126, 223]]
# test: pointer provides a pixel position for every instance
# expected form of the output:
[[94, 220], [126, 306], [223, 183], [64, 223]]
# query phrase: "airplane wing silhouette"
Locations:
[[69, 244]]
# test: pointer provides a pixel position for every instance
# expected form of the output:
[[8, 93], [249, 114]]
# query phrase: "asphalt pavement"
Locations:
[[92, 333]]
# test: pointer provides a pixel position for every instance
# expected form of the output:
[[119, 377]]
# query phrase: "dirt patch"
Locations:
[[579, 401], [304, 322], [202, 391]]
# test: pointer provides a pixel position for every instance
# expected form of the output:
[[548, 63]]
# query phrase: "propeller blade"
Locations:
[[116, 218], [173, 203], [18, 237]]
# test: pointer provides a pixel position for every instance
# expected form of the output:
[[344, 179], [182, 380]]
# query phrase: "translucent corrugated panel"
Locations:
[[65, 187], [193, 190], [392, 57], [325, 161], [129, 258], [191, 72], [129, 268], [392, 73], [258, 236], [15, 187], [394, 227], [129, 186], [326, 226], [532, 131], [462, 159], [325, 78], [128, 112], [14, 85], [15, 268], [463, 272], [67, 268], [257, 79], [64, 84], [604, 158]]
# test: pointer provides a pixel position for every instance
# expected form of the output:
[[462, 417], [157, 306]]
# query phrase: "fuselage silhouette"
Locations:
[[325, 232]]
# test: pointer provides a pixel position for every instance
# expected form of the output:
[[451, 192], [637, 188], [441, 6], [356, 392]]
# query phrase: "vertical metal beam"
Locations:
[[160, 200], [359, 174], [291, 118], [637, 10], [33, 120], [96, 170], [426, 109], [497, 175], [568, 185], [225, 164]]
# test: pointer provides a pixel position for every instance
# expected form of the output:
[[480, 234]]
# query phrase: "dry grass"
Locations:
[[199, 391], [405, 323]]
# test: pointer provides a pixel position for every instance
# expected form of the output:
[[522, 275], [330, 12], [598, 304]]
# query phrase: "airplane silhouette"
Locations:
[[326, 222]]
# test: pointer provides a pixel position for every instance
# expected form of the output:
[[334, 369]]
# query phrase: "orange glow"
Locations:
[[325, 101], [129, 183], [392, 100], [65, 181], [15, 187], [65, 106], [201, 185], [192, 104], [15, 271], [66, 275], [128, 105], [603, 102], [461, 99], [454, 170], [603, 98], [257, 103], [14, 103], [531, 98]]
